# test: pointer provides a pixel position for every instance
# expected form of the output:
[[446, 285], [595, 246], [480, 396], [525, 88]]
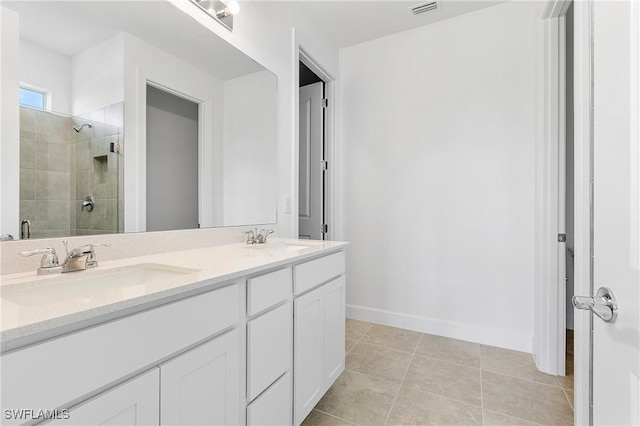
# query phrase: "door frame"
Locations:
[[550, 308], [135, 212], [328, 204]]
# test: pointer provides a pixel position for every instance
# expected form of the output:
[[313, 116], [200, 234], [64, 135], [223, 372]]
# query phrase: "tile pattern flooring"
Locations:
[[401, 377]]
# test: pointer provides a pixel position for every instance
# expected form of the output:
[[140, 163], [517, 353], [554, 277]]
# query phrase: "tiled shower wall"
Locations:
[[45, 165], [98, 172], [60, 167]]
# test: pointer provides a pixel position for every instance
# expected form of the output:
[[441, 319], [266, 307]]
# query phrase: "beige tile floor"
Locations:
[[401, 377]]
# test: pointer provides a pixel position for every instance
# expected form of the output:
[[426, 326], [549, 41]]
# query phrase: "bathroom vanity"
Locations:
[[232, 334]]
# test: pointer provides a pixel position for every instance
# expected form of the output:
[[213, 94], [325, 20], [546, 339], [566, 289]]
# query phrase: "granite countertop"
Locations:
[[29, 316]]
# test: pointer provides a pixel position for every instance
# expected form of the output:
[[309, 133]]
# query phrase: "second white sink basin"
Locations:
[[285, 245], [91, 284]]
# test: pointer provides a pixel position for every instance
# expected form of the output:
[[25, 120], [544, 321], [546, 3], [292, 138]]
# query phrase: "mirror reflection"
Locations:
[[138, 119]]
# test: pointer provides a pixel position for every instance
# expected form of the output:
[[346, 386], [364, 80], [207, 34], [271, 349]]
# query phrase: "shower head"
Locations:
[[77, 129]]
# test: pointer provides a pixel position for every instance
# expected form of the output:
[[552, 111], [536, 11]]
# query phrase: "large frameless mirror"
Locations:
[[134, 117]]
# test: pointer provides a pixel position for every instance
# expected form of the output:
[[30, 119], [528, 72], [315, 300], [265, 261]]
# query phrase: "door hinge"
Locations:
[[325, 102], [324, 228], [562, 238], [325, 165]]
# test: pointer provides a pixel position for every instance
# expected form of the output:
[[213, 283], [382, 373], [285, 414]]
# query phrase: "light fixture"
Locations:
[[222, 11], [232, 8]]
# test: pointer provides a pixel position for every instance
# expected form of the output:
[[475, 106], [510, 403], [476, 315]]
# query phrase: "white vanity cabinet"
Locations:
[[260, 349], [318, 329]]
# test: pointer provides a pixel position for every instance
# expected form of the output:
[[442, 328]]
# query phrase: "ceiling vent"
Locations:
[[424, 7]]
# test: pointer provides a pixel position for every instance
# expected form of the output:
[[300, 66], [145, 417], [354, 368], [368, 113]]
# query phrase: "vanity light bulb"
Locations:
[[233, 7]]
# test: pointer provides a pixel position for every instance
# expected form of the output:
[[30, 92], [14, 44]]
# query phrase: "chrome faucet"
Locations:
[[263, 235], [255, 237], [78, 259]]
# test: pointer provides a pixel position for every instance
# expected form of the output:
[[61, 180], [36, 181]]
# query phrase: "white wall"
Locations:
[[249, 151], [438, 128], [97, 76], [47, 70], [9, 122]]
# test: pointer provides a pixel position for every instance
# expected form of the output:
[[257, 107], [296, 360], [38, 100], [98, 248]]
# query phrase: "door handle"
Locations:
[[603, 304]]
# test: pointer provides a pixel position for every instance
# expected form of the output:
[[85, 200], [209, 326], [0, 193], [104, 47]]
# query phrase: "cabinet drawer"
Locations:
[[274, 407], [268, 290], [268, 348], [134, 402], [80, 363], [310, 274]]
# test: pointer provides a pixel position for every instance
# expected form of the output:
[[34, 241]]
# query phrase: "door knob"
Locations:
[[603, 304]]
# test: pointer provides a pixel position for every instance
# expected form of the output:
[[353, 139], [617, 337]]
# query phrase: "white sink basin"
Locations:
[[288, 246], [92, 284]]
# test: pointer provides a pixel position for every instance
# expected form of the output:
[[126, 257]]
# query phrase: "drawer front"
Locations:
[[134, 402], [268, 348], [274, 407], [268, 290], [310, 274], [55, 372]]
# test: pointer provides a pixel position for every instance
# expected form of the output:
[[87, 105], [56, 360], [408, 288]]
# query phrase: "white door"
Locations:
[[202, 386], [616, 345], [133, 403], [310, 155], [308, 352]]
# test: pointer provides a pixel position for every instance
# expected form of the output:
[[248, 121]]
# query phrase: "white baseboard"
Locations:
[[454, 330]]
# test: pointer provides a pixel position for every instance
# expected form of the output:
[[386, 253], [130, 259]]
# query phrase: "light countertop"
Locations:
[[26, 320]]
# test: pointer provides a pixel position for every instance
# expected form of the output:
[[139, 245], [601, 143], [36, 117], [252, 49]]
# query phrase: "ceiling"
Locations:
[[351, 22], [71, 27]]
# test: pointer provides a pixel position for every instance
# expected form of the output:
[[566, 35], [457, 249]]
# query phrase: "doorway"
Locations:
[[313, 164], [172, 161], [567, 379]]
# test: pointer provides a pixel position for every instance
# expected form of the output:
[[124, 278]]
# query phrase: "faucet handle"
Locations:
[[251, 236], [92, 262], [263, 235], [49, 257]]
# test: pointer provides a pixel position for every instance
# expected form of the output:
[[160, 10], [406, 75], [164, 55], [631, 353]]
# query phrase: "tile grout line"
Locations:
[[516, 417], [383, 346], [386, 420], [357, 342], [334, 416], [521, 378], [568, 399], [416, 390]]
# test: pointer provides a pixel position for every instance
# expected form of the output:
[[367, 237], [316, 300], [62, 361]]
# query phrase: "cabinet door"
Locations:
[[334, 319], [202, 386], [308, 352], [134, 402]]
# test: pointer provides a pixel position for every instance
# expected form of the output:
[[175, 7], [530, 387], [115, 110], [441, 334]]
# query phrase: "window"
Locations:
[[32, 98]]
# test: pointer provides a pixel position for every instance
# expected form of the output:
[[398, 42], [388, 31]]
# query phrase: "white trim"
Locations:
[[454, 330], [555, 8], [582, 205], [550, 296], [561, 335], [329, 136]]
